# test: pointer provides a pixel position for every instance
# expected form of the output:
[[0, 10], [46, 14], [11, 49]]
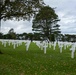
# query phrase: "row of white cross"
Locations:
[[42, 45], [16, 43]]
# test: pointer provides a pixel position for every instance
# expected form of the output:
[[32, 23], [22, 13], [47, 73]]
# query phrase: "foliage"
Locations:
[[56, 32], [39, 36], [19, 9], [30, 36], [1, 35], [71, 38], [11, 34], [45, 21], [52, 37]]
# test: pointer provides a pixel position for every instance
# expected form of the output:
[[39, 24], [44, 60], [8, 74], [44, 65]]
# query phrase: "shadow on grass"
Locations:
[[1, 52]]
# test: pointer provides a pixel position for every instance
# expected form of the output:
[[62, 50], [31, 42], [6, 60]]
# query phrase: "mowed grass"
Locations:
[[34, 62]]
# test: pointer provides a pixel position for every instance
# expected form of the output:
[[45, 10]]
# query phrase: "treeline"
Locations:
[[37, 36]]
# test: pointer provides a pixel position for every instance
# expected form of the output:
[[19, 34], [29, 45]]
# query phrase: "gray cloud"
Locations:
[[18, 26], [66, 10]]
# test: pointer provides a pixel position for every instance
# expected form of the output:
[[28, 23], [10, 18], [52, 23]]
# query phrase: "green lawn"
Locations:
[[34, 62]]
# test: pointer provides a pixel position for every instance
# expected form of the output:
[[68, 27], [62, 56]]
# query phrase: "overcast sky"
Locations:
[[65, 9]]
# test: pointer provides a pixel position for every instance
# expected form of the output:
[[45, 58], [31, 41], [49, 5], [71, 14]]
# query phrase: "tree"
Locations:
[[19, 9], [44, 21], [1, 35], [57, 32], [37, 36], [11, 34], [30, 36]]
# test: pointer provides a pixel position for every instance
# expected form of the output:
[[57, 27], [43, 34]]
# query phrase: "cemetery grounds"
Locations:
[[34, 61]]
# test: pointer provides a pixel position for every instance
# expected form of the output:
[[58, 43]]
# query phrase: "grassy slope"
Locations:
[[35, 62]]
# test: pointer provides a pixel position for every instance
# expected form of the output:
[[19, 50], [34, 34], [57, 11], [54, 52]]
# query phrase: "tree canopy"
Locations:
[[45, 21], [19, 9]]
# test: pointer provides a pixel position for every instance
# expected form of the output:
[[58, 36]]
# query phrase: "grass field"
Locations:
[[34, 62]]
